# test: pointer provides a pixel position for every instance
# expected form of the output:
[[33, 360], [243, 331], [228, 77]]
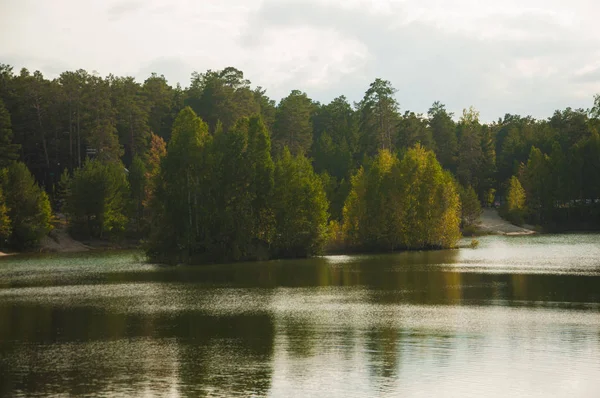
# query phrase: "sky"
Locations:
[[527, 57]]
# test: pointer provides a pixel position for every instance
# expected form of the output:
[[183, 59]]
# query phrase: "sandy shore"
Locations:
[[59, 240], [490, 222]]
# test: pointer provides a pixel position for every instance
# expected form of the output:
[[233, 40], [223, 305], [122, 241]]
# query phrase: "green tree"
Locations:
[[538, 186], [408, 204], [413, 129], [300, 208], [232, 176], [222, 96], [470, 154], [28, 207], [73, 84], [101, 121], [371, 209], [132, 115], [514, 208], [8, 150], [182, 202], [443, 130], [470, 206], [341, 123], [293, 127], [262, 182], [157, 151], [160, 100], [268, 108], [97, 199], [5, 224], [138, 188], [378, 117], [429, 202]]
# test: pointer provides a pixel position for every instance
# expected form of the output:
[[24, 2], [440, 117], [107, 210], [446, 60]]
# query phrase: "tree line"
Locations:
[[219, 171]]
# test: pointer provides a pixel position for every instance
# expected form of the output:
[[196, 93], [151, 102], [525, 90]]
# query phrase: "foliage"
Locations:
[[213, 198], [157, 151], [223, 199], [138, 188], [378, 117], [28, 207], [443, 131], [470, 206], [300, 208], [514, 209], [293, 128], [403, 204], [181, 204], [97, 200], [5, 223], [8, 151]]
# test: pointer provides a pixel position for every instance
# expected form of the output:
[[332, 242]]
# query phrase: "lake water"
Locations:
[[516, 317]]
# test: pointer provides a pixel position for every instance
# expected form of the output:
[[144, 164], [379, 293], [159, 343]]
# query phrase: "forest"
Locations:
[[218, 171]]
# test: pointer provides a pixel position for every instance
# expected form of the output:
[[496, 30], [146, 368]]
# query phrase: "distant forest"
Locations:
[[218, 171]]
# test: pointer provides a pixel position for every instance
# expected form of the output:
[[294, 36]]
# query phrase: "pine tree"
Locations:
[[300, 208], [8, 150], [293, 127], [182, 216]]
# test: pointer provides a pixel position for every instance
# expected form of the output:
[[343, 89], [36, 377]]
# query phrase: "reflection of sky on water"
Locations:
[[515, 317]]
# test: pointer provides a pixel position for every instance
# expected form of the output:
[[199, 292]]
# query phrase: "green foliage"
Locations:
[[293, 127], [470, 153], [537, 185], [160, 98], [181, 204], [403, 204], [8, 150], [157, 151], [413, 129], [213, 197], [244, 169], [443, 131], [62, 191], [378, 117], [222, 96], [132, 115], [470, 206], [97, 200], [28, 207], [137, 184], [5, 223], [514, 209], [300, 208]]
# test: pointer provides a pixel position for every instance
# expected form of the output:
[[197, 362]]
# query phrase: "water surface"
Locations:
[[518, 316]]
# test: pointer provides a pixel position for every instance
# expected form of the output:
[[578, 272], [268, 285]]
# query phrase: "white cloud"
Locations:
[[519, 56]]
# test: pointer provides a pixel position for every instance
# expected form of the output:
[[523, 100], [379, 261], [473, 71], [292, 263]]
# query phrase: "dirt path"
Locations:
[[59, 240], [491, 222]]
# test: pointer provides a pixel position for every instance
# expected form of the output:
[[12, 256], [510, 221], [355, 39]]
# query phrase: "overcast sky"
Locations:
[[527, 57]]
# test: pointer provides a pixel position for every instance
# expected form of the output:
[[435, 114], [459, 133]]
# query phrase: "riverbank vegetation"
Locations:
[[218, 171]]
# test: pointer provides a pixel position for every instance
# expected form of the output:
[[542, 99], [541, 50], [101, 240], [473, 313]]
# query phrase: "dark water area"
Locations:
[[518, 317]]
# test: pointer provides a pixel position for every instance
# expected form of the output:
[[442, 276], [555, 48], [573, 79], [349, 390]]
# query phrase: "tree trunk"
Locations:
[[70, 135], [78, 138]]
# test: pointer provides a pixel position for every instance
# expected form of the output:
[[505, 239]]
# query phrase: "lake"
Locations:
[[516, 317]]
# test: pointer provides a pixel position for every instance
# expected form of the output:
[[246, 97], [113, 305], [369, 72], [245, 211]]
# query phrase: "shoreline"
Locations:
[[59, 240], [490, 223]]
